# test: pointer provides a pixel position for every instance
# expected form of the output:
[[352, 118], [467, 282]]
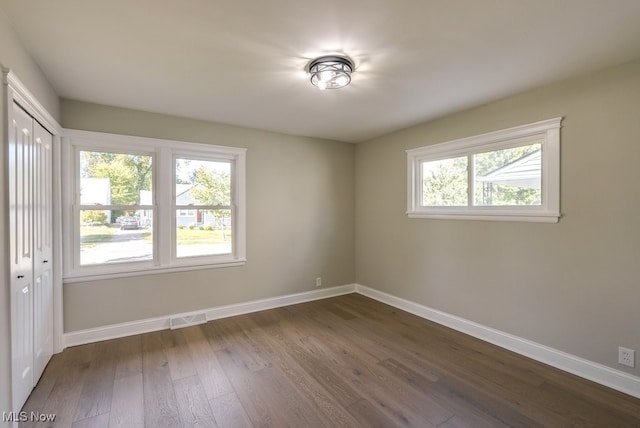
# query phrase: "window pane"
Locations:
[[201, 182], [205, 233], [128, 240], [114, 178], [444, 182], [509, 177]]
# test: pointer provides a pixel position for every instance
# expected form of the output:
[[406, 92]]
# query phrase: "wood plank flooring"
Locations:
[[347, 361]]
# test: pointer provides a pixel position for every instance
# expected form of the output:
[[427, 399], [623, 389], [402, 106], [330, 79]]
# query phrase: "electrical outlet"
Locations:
[[319, 281], [626, 356]]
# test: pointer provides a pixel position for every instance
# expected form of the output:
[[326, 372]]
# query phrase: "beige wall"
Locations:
[[573, 286], [300, 213], [14, 57]]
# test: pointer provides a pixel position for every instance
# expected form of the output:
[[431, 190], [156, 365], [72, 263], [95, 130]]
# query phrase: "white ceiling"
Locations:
[[243, 62]]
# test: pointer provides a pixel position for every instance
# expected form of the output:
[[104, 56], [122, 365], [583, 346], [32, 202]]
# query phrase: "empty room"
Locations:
[[302, 214]]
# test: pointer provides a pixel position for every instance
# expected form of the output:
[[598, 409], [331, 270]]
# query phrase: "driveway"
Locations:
[[124, 246]]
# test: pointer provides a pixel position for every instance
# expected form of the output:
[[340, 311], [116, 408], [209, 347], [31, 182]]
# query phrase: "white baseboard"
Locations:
[[115, 331], [590, 370], [599, 373]]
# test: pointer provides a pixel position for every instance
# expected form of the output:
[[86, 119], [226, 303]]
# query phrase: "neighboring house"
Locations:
[[184, 216], [96, 191], [523, 172], [145, 217], [191, 216]]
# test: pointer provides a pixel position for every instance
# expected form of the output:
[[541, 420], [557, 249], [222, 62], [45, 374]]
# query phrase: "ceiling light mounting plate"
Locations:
[[331, 71]]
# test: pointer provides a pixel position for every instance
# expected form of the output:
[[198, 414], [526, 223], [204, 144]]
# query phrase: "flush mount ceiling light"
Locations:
[[331, 72]]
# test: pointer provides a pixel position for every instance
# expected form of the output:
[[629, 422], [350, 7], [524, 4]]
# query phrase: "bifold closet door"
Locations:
[[31, 241], [21, 253], [42, 250]]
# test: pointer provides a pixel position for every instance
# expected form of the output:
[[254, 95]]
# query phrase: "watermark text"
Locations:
[[28, 417]]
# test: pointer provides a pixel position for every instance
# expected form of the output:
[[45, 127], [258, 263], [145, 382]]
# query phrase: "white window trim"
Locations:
[[547, 212], [163, 152]]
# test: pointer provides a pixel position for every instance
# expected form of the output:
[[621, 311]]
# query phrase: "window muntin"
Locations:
[[144, 220], [512, 174]]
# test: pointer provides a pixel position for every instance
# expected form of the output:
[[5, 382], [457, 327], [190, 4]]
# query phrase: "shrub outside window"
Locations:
[[510, 175]]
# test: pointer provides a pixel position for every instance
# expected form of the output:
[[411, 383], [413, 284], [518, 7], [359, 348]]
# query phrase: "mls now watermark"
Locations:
[[28, 417]]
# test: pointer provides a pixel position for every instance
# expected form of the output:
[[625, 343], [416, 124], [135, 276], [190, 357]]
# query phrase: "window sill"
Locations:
[[140, 271], [503, 215]]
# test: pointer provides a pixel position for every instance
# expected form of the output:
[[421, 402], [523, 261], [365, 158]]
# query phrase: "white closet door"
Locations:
[[42, 246], [21, 252]]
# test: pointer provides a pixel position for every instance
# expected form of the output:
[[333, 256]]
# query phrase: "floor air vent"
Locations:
[[188, 320]]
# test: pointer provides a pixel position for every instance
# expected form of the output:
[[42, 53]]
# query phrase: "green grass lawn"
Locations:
[[90, 236], [197, 236]]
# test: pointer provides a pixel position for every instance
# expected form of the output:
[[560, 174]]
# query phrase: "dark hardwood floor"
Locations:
[[347, 361]]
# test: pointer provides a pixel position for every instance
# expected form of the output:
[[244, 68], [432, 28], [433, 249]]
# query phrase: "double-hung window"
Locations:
[[137, 205], [511, 175]]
